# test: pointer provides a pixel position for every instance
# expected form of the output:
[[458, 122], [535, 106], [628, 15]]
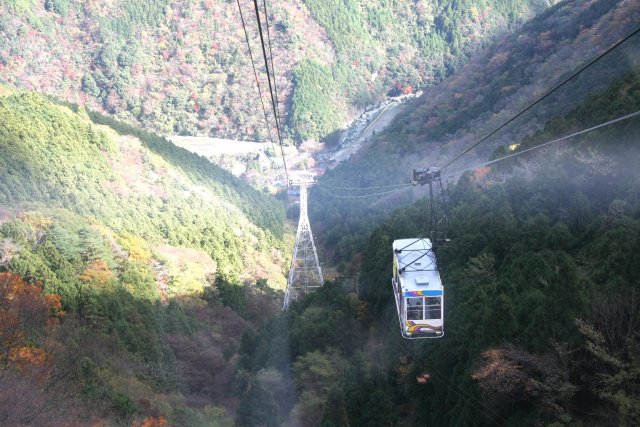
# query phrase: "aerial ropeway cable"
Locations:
[[255, 75], [272, 94], [499, 159], [546, 94], [490, 162], [361, 196], [366, 188], [273, 69], [271, 90]]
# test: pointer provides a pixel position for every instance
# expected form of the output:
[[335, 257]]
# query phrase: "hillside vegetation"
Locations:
[[182, 67], [541, 283], [120, 255], [494, 85], [140, 285]]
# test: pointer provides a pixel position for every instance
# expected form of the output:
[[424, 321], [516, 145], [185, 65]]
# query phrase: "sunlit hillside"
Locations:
[[182, 66], [121, 252]]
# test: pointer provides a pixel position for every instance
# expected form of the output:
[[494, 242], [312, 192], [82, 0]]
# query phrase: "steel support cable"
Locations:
[[273, 102], [324, 190], [490, 162], [255, 75], [366, 188], [549, 92], [273, 69]]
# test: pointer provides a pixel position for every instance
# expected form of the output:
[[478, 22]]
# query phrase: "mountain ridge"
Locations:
[[135, 61]]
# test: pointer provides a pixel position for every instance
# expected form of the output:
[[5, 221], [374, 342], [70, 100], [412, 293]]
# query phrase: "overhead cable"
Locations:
[[549, 92], [255, 75], [273, 69], [490, 162], [367, 188], [271, 92], [324, 190]]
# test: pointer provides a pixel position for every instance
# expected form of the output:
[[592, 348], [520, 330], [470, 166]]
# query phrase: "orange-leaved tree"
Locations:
[[97, 273], [151, 422], [27, 316]]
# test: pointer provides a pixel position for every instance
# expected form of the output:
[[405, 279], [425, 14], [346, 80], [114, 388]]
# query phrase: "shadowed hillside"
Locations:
[[541, 280], [491, 88]]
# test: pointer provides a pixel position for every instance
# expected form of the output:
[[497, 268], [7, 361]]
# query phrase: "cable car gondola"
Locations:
[[417, 289]]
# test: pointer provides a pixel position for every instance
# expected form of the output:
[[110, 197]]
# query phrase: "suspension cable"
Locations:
[[549, 92], [324, 190], [273, 101], [255, 75], [273, 69], [490, 162], [367, 188]]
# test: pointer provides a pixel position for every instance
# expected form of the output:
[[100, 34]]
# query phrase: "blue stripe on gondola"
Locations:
[[425, 293]]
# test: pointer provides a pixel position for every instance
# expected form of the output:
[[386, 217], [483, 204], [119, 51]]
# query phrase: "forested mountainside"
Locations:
[[492, 87], [182, 67], [140, 284], [541, 280], [117, 252]]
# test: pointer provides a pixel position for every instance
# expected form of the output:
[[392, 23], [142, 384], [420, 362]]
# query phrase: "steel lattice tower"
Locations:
[[305, 274]]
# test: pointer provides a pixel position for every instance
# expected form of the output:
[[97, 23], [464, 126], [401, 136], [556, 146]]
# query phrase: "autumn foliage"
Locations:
[[151, 422], [481, 173], [26, 317], [97, 273]]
